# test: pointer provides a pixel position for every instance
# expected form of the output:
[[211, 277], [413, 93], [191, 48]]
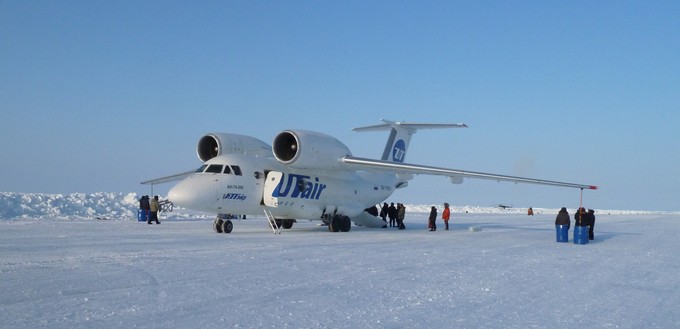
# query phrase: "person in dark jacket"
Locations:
[[433, 219], [563, 218], [384, 211], [581, 217], [145, 206], [591, 222], [392, 214]]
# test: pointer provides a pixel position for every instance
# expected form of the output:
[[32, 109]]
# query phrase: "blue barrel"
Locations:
[[581, 234], [142, 215], [562, 232]]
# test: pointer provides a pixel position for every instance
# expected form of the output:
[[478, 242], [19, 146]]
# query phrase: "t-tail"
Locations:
[[400, 136]]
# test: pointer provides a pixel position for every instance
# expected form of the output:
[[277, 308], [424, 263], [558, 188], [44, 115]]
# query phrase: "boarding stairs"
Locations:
[[272, 221]]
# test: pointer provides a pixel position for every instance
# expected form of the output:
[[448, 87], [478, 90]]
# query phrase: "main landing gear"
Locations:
[[339, 223], [336, 223]]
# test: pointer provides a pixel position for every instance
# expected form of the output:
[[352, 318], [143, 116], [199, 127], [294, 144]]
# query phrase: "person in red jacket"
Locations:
[[445, 216]]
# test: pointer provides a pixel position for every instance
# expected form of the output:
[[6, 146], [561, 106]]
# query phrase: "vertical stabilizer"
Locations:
[[400, 136]]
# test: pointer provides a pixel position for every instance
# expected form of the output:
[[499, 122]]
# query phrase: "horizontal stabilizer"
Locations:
[[387, 125]]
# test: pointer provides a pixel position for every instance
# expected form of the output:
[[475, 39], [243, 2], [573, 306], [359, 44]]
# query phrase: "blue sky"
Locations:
[[100, 95]]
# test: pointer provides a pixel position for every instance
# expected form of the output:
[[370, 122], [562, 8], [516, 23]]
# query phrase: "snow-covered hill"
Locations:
[[120, 206]]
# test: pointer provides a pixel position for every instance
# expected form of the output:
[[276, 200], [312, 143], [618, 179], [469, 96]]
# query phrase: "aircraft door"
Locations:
[[216, 184], [215, 171], [271, 185]]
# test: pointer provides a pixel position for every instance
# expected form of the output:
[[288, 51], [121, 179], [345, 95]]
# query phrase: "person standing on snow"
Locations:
[[401, 213], [392, 214], [445, 216], [581, 217], [563, 218], [144, 205], [384, 211], [154, 207], [433, 219], [591, 221]]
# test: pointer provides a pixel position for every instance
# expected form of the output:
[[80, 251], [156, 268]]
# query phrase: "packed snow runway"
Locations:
[[512, 274]]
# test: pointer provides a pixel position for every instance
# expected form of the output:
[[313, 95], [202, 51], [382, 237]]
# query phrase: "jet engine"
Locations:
[[214, 144], [309, 150]]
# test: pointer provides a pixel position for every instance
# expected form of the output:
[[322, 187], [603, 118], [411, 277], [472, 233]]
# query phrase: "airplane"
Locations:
[[308, 175]]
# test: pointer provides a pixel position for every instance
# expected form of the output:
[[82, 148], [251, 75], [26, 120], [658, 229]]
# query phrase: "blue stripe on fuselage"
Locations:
[[299, 186]]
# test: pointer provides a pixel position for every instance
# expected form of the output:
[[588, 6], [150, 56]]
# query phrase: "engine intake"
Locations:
[[215, 144], [309, 150]]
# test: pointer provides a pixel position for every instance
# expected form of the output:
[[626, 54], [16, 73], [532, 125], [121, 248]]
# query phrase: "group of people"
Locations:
[[394, 213], [581, 218], [432, 220], [149, 209]]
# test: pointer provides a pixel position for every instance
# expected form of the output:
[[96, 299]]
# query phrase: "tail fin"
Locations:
[[400, 136]]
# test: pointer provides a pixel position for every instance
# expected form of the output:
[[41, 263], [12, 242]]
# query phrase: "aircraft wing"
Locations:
[[170, 178], [455, 175]]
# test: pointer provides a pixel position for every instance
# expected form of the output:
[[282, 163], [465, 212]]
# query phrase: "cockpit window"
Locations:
[[237, 170], [227, 170], [214, 169], [201, 168]]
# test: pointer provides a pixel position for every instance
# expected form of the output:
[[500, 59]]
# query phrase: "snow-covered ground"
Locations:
[[72, 271]]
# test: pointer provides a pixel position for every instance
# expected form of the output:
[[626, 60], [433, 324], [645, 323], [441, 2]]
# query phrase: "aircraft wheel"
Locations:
[[227, 226], [217, 225], [346, 224], [336, 223]]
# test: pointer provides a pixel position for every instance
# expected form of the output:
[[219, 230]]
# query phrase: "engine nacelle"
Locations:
[[308, 149], [214, 144]]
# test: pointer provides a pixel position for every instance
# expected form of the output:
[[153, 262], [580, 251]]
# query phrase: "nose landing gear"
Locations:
[[221, 225]]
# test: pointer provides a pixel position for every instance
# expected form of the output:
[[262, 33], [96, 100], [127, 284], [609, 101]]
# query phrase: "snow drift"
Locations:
[[121, 206]]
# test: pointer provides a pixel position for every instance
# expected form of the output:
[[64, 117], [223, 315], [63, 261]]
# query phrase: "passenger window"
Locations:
[[201, 168], [214, 169], [237, 170], [227, 170]]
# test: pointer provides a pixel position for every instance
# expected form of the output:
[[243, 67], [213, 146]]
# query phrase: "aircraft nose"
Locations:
[[189, 194], [178, 195]]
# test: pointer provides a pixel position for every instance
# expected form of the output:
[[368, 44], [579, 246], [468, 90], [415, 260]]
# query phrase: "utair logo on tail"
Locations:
[[299, 186], [399, 151], [308, 175]]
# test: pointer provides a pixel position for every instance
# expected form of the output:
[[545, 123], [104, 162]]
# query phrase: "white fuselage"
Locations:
[[251, 184]]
